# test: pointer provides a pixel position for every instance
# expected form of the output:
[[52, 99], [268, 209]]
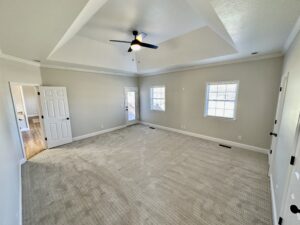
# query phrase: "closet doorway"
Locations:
[[27, 112]]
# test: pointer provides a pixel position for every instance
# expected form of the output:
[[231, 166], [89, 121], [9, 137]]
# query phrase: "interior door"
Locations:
[[131, 105], [292, 206], [277, 121], [56, 117]]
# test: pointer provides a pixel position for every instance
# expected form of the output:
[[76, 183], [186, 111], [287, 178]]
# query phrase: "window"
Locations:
[[158, 101], [221, 99]]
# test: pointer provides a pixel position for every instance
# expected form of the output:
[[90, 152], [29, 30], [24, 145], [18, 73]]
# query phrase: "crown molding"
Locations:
[[19, 60], [292, 36], [77, 69], [213, 64]]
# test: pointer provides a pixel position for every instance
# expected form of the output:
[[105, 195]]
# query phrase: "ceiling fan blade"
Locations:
[[130, 49], [141, 36], [120, 41], [148, 45]]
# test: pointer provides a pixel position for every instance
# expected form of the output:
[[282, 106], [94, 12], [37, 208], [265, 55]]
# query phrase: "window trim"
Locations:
[[237, 82], [157, 86]]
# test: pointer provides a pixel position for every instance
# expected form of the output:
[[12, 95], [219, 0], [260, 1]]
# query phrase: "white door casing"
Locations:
[[291, 215], [131, 105], [279, 110], [55, 110]]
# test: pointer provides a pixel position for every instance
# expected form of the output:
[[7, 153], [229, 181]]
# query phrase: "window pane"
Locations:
[[222, 88], [158, 98], [229, 105], [220, 105], [231, 87], [221, 99], [212, 104], [211, 112], [213, 88], [219, 112], [230, 96], [212, 96], [228, 113]]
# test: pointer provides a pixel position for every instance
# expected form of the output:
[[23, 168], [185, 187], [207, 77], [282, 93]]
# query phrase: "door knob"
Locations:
[[68, 118], [274, 134], [294, 209]]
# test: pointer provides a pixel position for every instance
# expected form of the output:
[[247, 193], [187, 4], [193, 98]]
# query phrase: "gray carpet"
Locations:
[[140, 176]]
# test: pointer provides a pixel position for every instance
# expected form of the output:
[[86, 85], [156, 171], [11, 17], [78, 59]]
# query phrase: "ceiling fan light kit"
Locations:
[[137, 43]]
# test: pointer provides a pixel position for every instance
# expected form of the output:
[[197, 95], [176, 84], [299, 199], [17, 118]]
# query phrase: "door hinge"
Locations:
[[46, 139], [274, 134], [39, 93], [292, 162], [280, 221], [275, 121], [271, 151], [280, 89]]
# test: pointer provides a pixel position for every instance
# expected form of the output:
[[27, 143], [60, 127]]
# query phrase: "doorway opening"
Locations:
[[27, 112], [131, 105]]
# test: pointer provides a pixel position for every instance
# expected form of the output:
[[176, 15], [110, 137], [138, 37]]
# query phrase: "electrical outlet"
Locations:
[[183, 126], [102, 126], [240, 137]]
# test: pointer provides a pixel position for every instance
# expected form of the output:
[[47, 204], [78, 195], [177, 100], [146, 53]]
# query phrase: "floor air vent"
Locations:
[[224, 146], [152, 128]]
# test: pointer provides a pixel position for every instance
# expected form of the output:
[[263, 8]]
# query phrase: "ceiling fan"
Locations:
[[137, 42]]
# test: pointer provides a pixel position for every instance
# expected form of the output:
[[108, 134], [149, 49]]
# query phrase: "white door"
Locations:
[[55, 111], [277, 121], [292, 206], [131, 105]]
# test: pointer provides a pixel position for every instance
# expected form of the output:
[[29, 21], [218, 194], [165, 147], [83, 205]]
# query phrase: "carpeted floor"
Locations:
[[140, 176]]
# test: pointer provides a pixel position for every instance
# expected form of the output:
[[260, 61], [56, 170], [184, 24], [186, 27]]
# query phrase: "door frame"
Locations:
[[137, 111], [278, 117], [295, 153], [36, 86]]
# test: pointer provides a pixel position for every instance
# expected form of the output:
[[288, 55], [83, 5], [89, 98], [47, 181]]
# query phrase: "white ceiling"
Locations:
[[188, 32]]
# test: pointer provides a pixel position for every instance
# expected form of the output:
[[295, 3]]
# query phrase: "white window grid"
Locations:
[[155, 97], [221, 102]]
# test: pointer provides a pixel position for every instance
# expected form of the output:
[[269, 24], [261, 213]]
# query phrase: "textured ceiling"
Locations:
[[188, 32]]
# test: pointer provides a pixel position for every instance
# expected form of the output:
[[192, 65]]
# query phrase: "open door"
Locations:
[[56, 117], [291, 214], [131, 105], [277, 122]]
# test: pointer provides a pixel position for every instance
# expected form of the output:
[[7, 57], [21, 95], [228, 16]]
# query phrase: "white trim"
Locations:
[[22, 161], [209, 138], [33, 115], [274, 209], [182, 68], [77, 69], [97, 133], [292, 36], [17, 59]]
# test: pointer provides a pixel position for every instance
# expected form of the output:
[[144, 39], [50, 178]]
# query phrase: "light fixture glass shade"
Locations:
[[135, 47]]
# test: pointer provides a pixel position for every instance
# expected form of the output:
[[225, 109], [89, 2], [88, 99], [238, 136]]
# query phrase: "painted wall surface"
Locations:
[[96, 101], [287, 133], [31, 100], [10, 146], [185, 100]]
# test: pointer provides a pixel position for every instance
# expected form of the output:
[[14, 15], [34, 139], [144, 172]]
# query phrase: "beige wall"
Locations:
[[286, 138], [94, 99], [257, 98], [10, 146]]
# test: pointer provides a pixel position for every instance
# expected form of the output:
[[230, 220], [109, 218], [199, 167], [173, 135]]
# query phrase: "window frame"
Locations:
[[237, 82], [151, 98]]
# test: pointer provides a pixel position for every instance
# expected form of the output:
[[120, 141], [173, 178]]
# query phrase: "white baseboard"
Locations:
[[97, 133], [274, 209], [218, 140]]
